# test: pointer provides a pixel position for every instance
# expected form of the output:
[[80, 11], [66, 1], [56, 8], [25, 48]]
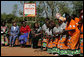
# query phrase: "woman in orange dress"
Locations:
[[81, 33], [73, 37]]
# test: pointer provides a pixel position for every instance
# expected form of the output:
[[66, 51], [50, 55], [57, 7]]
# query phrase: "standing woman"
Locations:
[[73, 37], [13, 33], [4, 32], [24, 30]]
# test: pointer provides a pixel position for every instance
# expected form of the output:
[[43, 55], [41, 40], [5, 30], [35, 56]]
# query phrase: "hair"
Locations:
[[14, 22], [73, 16], [34, 25], [53, 24], [80, 10], [3, 23], [47, 19], [68, 17], [22, 22]]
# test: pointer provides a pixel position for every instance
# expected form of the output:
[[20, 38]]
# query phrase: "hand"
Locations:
[[22, 33], [14, 34], [41, 31]]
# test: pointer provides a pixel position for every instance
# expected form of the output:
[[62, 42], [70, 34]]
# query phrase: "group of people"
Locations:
[[64, 38]]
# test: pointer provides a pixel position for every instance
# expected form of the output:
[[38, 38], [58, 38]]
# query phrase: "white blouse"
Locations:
[[14, 27], [62, 26], [49, 32], [44, 27]]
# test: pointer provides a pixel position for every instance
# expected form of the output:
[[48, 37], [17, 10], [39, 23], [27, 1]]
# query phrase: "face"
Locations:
[[57, 25], [59, 21], [3, 24], [14, 23], [24, 23], [36, 25], [81, 11], [52, 23], [80, 23], [46, 22], [82, 17]]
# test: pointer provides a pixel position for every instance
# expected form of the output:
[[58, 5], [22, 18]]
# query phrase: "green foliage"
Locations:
[[15, 7], [77, 5]]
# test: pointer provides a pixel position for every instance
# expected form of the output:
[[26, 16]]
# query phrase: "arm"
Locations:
[[11, 32], [17, 31], [21, 30], [28, 28]]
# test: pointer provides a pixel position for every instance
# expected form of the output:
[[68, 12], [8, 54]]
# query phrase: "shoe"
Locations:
[[6, 44], [10, 46]]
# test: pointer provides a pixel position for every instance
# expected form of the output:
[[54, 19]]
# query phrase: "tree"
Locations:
[[3, 17], [15, 7], [77, 5]]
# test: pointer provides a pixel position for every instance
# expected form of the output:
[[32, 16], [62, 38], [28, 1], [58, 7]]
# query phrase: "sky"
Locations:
[[7, 6]]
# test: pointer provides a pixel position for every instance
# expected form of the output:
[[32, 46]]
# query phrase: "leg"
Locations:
[[32, 43], [6, 41], [2, 39], [14, 39], [10, 40]]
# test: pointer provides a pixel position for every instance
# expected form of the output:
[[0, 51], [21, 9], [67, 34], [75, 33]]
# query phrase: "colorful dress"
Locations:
[[45, 39], [4, 39], [77, 20], [55, 42], [49, 45], [24, 38], [73, 39], [81, 41], [61, 46]]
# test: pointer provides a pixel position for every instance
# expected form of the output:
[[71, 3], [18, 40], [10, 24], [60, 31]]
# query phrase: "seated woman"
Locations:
[[24, 30], [4, 31], [36, 34], [45, 34], [13, 34]]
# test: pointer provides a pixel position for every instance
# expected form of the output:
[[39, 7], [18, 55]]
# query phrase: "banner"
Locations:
[[29, 10]]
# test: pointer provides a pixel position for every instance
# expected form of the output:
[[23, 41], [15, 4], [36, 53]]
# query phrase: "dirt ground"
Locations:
[[18, 51]]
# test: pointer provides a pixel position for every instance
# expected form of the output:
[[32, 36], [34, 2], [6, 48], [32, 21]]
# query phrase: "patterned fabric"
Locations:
[[23, 38], [4, 32], [25, 29], [49, 50], [44, 27], [77, 20], [44, 44], [81, 42]]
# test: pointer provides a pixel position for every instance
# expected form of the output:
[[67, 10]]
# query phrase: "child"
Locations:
[[4, 31]]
